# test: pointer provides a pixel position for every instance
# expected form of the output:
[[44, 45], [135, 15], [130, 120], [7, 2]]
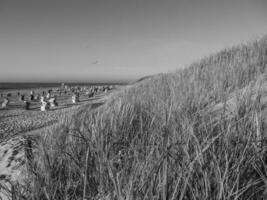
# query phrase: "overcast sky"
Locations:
[[88, 40]]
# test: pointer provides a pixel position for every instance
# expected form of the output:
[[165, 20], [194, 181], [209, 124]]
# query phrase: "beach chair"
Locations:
[[48, 95], [31, 97], [75, 98], [27, 105], [42, 99], [21, 97], [5, 103], [53, 103], [37, 97], [44, 106]]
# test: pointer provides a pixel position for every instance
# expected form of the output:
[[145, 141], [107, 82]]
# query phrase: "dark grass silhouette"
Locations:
[[198, 133]]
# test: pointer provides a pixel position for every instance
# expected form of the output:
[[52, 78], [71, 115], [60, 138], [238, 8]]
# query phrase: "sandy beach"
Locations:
[[18, 124]]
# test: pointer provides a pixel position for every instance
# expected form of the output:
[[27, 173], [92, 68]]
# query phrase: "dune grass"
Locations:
[[164, 138]]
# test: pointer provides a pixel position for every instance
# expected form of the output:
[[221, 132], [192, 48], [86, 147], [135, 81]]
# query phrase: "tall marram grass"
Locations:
[[198, 133]]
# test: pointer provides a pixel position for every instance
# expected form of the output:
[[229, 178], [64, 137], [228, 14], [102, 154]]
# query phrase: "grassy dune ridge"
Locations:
[[171, 136]]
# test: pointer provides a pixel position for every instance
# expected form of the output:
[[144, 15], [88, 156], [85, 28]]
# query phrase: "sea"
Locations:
[[10, 86]]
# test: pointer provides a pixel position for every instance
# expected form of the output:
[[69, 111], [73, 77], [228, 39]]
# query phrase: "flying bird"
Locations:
[[95, 62]]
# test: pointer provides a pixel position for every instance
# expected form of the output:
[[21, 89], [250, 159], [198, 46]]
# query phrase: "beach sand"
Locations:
[[16, 123]]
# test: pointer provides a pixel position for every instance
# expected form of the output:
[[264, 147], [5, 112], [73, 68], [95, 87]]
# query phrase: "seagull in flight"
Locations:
[[95, 62]]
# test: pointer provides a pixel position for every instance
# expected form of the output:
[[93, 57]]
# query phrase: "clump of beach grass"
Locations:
[[198, 133]]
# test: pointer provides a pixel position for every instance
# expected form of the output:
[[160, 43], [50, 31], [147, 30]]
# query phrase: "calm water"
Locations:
[[8, 86]]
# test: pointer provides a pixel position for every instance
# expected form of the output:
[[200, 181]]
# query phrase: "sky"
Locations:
[[103, 40]]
